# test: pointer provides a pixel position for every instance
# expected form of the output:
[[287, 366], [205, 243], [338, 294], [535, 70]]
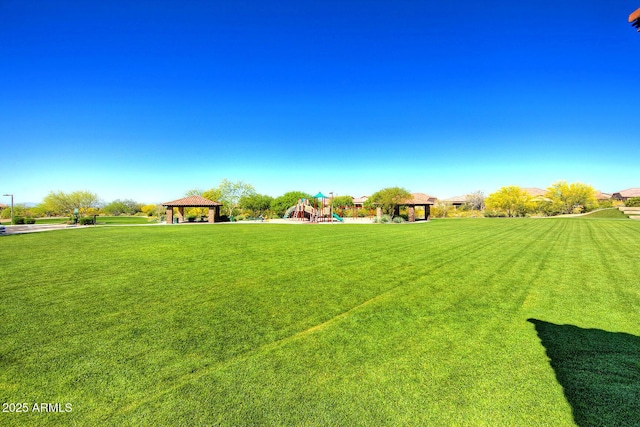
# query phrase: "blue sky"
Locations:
[[148, 99]]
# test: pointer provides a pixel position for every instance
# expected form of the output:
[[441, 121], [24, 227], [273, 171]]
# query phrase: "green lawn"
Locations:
[[489, 322], [107, 220], [611, 213]]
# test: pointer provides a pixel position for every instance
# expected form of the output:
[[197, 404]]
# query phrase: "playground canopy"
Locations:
[[320, 196], [192, 202]]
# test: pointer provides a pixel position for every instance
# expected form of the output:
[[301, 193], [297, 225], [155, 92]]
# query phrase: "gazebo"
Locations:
[[417, 199], [192, 202]]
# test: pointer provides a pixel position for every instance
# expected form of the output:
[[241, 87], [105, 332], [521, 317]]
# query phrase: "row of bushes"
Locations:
[[386, 219], [19, 220], [633, 202]]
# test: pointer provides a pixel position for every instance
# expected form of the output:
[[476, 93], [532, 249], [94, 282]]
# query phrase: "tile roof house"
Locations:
[[456, 201], [602, 196], [359, 201], [626, 194]]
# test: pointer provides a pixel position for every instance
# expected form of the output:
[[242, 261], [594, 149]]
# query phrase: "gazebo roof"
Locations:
[[419, 199], [192, 202]]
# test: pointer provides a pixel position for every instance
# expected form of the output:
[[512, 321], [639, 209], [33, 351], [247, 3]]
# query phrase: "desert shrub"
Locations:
[[86, 220], [494, 214], [578, 210], [30, 220], [17, 220], [633, 202], [398, 220], [603, 204], [384, 219]]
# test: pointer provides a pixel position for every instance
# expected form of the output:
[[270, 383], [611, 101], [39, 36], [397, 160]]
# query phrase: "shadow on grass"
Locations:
[[599, 371]]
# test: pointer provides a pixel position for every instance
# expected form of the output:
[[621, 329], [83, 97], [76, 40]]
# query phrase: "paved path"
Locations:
[[33, 228]]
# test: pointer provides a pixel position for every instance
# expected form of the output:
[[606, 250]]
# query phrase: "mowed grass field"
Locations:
[[487, 322]]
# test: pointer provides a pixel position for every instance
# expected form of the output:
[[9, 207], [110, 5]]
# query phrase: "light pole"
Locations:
[[331, 207], [7, 195]]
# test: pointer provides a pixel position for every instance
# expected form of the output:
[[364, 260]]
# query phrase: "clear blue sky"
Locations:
[[148, 99]]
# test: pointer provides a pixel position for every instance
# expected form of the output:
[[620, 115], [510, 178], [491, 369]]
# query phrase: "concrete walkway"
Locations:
[[34, 228]]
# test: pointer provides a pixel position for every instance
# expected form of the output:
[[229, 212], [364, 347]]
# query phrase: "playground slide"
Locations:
[[287, 214], [338, 218]]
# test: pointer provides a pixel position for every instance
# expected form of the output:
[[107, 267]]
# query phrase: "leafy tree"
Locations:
[[212, 194], [389, 198], [61, 203], [151, 210], [280, 204], [122, 207], [256, 204], [441, 209], [194, 192], [513, 200], [571, 198], [342, 202], [19, 209], [232, 192]]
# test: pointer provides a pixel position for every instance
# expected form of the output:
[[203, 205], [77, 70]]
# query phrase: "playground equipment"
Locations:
[[304, 211]]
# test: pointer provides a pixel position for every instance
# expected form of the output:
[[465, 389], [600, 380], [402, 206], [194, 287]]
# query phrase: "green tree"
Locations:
[[342, 202], [62, 203], [232, 192], [256, 204], [122, 207], [512, 200], [194, 192], [571, 198], [19, 209], [280, 204], [212, 194], [151, 210], [389, 198]]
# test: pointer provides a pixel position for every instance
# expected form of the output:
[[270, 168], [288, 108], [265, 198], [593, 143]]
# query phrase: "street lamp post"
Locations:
[[331, 208], [7, 195]]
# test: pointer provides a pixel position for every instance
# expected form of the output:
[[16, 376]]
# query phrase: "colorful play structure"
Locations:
[[318, 212]]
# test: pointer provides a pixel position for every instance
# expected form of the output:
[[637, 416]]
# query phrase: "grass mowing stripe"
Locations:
[[271, 348], [211, 328], [201, 371]]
